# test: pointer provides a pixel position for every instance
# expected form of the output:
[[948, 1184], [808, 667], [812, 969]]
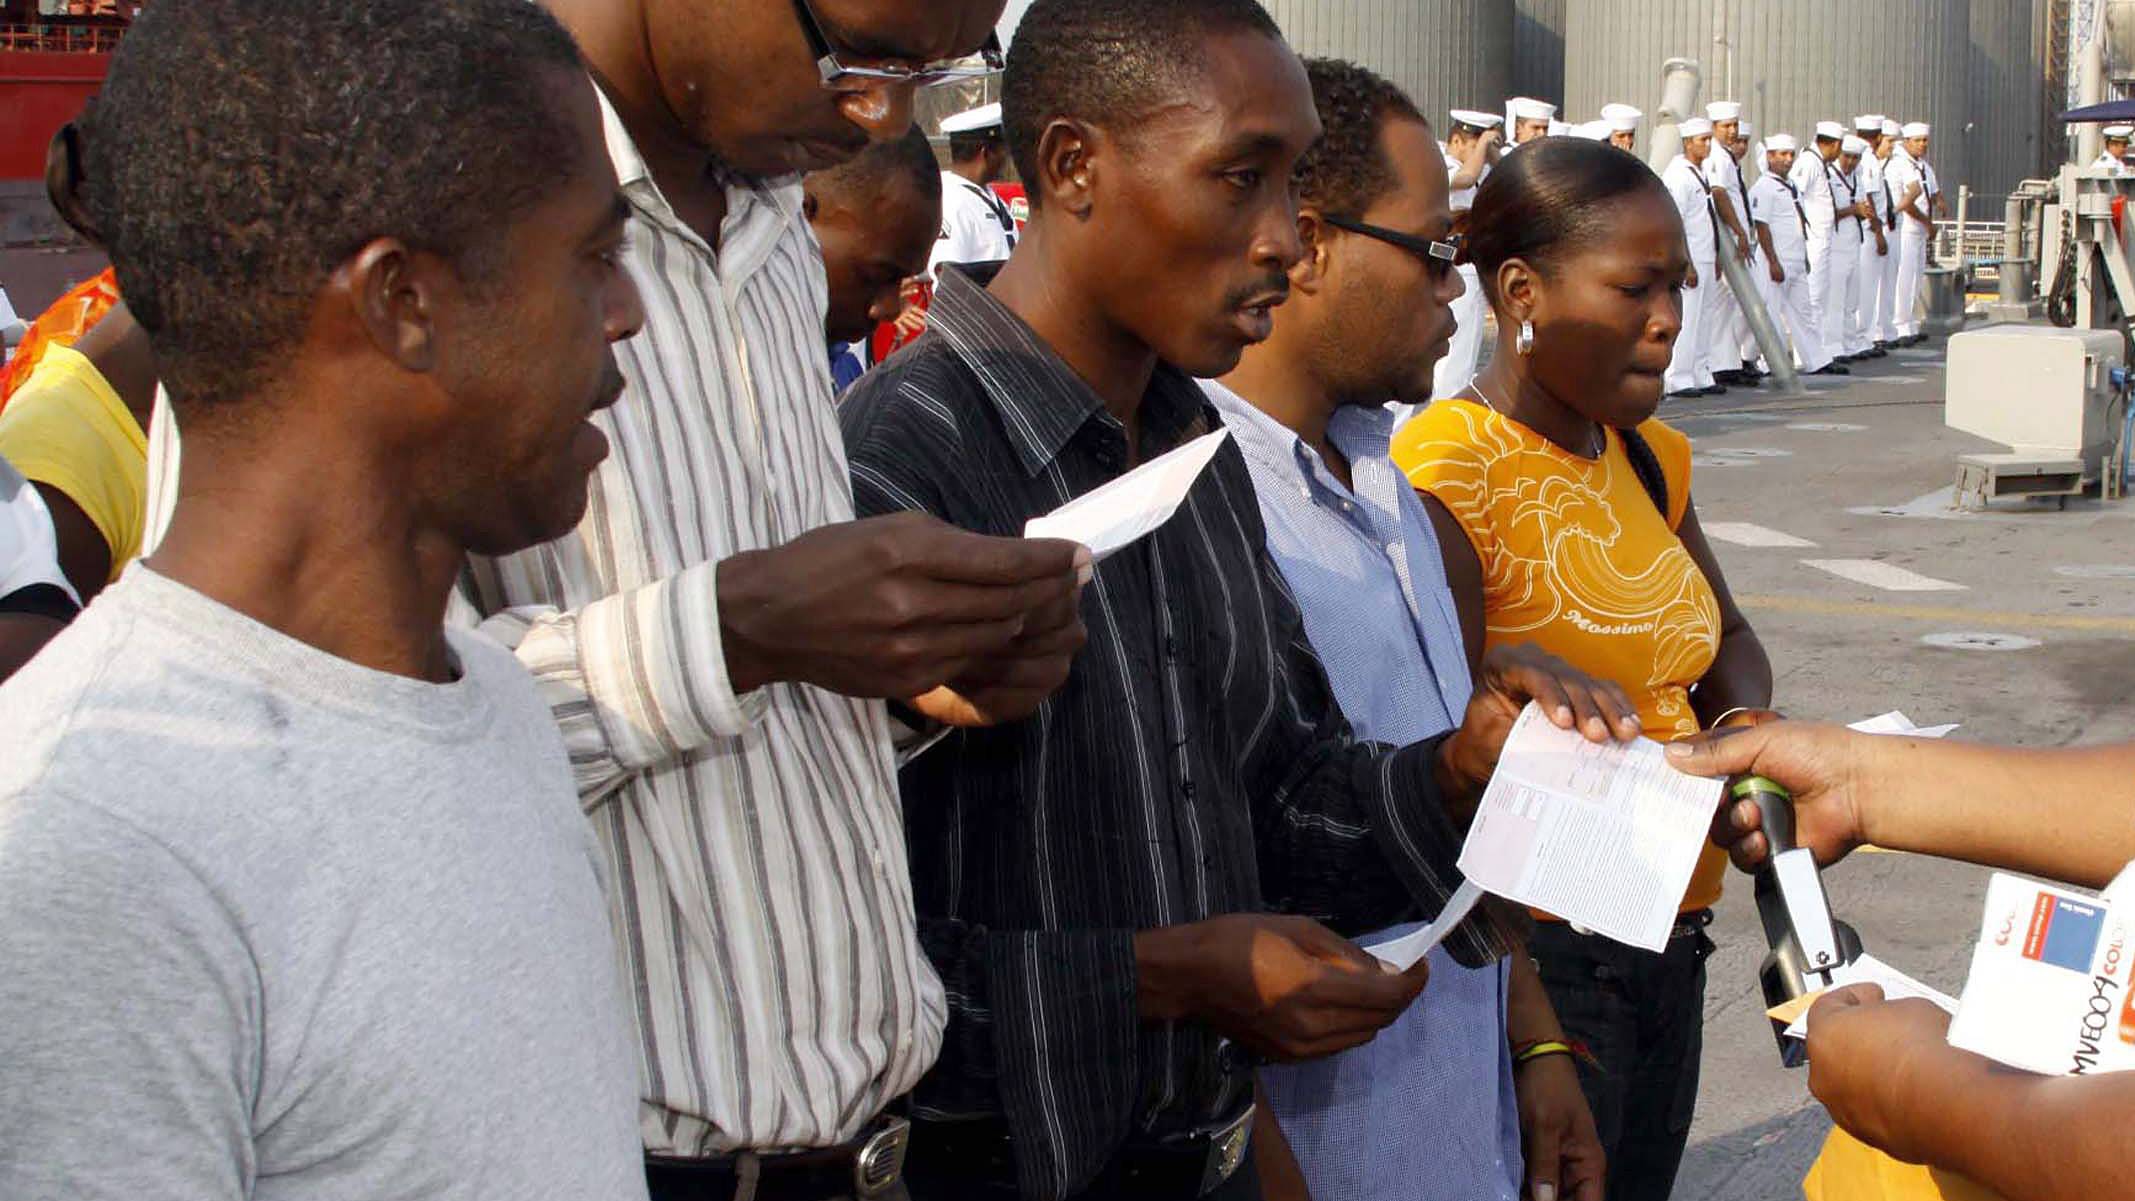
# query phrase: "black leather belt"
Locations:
[[1192, 1164], [869, 1166]]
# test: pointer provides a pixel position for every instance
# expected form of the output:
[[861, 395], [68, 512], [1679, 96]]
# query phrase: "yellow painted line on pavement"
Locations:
[[1945, 614]]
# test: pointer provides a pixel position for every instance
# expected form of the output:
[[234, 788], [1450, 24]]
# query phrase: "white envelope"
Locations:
[[1113, 517]]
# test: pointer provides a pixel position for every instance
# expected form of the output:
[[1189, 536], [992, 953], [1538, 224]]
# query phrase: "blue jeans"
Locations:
[[1642, 1016]]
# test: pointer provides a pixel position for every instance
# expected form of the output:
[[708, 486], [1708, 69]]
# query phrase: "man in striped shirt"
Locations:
[[1103, 885], [710, 637]]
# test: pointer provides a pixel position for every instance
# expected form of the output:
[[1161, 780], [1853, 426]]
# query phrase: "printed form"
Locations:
[[1604, 835]]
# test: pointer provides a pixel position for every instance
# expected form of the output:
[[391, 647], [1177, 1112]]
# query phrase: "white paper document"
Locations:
[[1113, 517], [2048, 990], [1895, 722], [1403, 952], [1896, 985], [1604, 835]]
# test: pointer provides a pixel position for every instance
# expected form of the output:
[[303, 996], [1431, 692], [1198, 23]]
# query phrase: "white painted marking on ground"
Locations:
[[1877, 574], [1711, 461], [1826, 427], [1745, 452], [1980, 641], [1743, 533], [2097, 571]]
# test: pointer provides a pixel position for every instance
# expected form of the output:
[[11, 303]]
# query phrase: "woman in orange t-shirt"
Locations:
[[1576, 532]]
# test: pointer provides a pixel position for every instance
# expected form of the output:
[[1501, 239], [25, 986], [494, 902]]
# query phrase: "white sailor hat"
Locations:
[[1696, 127], [1915, 129], [1621, 124], [1558, 129], [1890, 128], [1869, 123], [1527, 108], [1616, 114], [1853, 146], [1724, 110], [1746, 128], [1592, 131], [1476, 120], [1781, 141], [2118, 131], [985, 116], [1829, 131]]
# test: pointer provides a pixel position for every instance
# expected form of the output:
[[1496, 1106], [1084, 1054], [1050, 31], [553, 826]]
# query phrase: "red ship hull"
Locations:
[[41, 90]]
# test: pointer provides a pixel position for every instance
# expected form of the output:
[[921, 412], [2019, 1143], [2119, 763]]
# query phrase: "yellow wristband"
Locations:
[[1538, 1050]]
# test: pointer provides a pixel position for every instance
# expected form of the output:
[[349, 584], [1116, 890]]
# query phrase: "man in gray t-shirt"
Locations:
[[296, 898]]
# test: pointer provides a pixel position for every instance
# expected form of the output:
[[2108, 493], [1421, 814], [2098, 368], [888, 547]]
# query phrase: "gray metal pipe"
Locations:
[[1680, 82]]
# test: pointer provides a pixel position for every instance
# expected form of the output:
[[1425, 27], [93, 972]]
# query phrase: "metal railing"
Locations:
[[62, 39]]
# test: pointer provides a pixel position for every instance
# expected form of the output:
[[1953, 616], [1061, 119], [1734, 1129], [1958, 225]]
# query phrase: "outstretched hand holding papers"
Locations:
[[1604, 835], [1112, 518]]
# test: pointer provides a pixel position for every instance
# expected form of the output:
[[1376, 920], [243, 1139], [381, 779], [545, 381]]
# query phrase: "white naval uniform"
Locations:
[[1842, 334], [1873, 272], [1724, 320], [1686, 185], [976, 226], [1775, 205], [1458, 367], [2106, 162], [1901, 173], [1811, 178]]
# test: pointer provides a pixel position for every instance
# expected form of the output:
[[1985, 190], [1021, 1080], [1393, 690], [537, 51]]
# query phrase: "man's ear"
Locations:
[[1068, 156], [1313, 234], [809, 204], [392, 294]]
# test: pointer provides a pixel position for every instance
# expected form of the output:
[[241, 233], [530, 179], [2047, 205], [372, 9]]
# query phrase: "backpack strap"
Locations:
[[1647, 466]]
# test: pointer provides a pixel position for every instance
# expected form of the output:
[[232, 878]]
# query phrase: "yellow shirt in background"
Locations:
[[1578, 561], [66, 429]]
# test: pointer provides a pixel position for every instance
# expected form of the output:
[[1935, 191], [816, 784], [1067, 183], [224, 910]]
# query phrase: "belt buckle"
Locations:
[[880, 1164], [1226, 1151]]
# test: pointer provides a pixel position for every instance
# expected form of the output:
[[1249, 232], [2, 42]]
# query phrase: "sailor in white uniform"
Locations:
[[1748, 150], [1915, 191], [1842, 260], [1865, 336], [2115, 156], [1528, 119], [1685, 179], [1782, 231], [1811, 177], [976, 226], [1886, 150], [1723, 321], [1471, 148], [1623, 122]]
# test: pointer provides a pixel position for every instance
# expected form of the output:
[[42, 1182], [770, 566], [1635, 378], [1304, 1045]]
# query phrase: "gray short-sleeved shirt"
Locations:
[[274, 925]]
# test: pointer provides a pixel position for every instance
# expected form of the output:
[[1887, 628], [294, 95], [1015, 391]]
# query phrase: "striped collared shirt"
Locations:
[[1195, 763], [755, 850]]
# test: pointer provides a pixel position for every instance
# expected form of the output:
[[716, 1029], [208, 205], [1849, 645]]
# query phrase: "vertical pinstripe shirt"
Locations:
[[756, 854], [1194, 764]]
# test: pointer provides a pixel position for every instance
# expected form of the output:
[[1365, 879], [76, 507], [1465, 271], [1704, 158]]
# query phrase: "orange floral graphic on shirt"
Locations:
[[1575, 556]]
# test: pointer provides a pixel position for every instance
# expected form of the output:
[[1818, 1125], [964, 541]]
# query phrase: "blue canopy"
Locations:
[[2111, 110]]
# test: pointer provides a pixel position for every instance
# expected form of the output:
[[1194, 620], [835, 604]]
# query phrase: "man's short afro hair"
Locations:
[[1346, 171], [1108, 62], [242, 150]]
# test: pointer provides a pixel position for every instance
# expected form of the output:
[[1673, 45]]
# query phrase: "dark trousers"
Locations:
[[1642, 1016], [935, 1185]]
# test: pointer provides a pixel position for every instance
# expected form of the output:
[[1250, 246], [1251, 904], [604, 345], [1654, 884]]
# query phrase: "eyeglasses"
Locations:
[[1438, 256], [838, 69]]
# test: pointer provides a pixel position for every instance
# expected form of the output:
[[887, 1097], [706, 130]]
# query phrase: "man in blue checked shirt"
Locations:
[[1436, 1107]]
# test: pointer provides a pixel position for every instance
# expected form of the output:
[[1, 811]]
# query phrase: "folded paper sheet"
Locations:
[[1111, 518]]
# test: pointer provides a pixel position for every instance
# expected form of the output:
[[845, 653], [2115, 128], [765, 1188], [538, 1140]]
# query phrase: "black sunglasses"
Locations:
[[1439, 257], [836, 68]]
